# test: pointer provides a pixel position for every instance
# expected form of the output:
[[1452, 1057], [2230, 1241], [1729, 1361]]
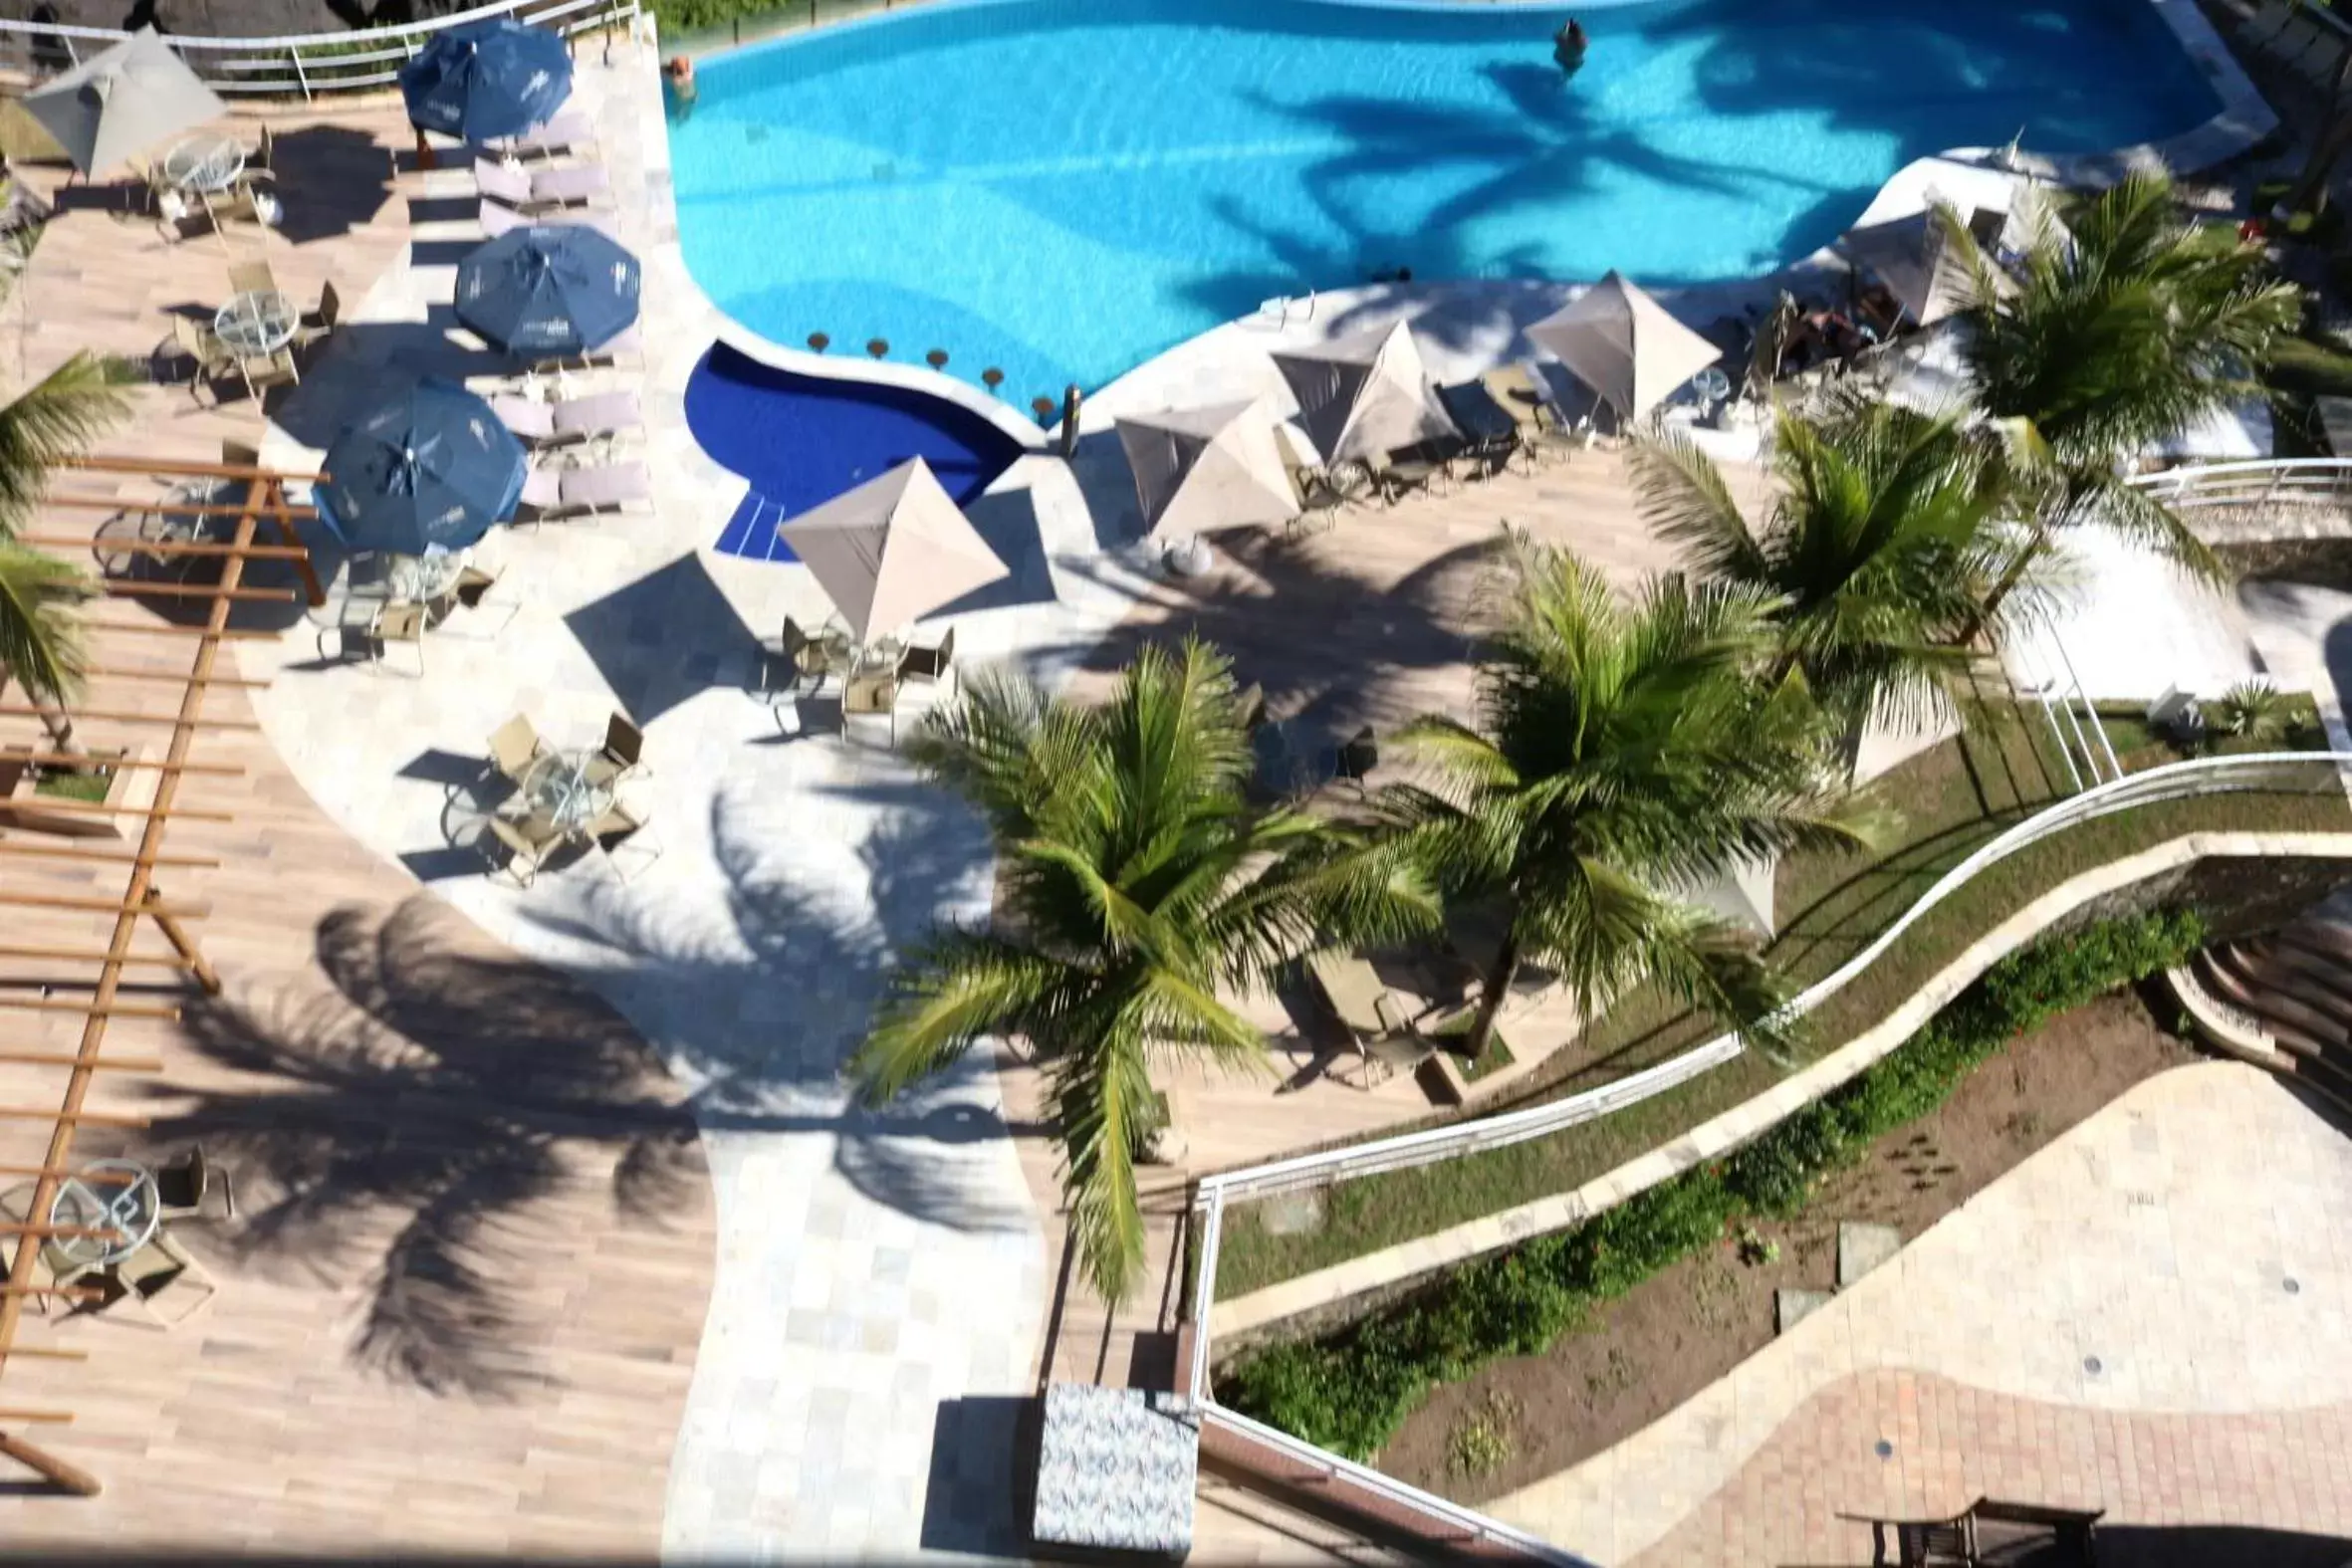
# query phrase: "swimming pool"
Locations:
[[1061, 188]]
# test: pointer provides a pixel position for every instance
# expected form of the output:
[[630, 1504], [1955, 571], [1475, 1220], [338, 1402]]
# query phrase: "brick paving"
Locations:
[[1801, 1498]]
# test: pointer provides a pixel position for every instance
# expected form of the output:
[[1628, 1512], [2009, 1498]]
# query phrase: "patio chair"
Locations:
[[929, 666], [530, 844], [398, 621], [187, 1185], [872, 693], [515, 747], [214, 360], [497, 220], [263, 156], [160, 1269], [623, 755], [804, 658], [619, 828], [1359, 756], [539, 190], [254, 276], [319, 323], [274, 370]]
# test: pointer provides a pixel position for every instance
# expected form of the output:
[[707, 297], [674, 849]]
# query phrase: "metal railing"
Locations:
[[2172, 782], [2189, 779], [2254, 483], [301, 65]]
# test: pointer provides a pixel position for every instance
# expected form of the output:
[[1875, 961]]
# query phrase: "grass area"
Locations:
[[1952, 798], [64, 786]]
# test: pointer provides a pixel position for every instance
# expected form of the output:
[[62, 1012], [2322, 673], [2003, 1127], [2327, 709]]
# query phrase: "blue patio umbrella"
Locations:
[[557, 289], [424, 472], [486, 80]]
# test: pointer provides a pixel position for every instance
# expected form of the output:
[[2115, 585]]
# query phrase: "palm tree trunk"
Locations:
[[57, 723], [1497, 987]]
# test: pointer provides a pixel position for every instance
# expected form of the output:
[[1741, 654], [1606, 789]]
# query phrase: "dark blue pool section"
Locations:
[[804, 439]]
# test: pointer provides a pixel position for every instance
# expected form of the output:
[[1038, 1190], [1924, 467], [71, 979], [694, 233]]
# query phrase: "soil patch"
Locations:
[[1661, 1343]]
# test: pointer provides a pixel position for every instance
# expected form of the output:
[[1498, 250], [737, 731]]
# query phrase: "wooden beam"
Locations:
[[104, 906], [88, 955], [282, 517], [123, 628], [180, 470], [124, 588], [134, 1010], [53, 1058], [33, 1170], [44, 1353], [110, 764], [65, 807], [153, 546], [32, 1113], [56, 1472], [26, 846], [114, 672], [53, 1418], [182, 943], [113, 716]]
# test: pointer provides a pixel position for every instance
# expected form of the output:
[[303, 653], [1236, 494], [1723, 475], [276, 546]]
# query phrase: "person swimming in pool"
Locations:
[[1568, 46]]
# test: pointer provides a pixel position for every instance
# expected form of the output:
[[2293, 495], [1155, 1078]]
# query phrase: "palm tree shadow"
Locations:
[[424, 1119]]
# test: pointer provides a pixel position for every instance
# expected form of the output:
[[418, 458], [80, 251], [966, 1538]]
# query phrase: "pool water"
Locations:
[[1062, 188]]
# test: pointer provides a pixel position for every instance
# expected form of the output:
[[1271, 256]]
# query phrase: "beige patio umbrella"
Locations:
[[1624, 344], [1198, 469], [1364, 395], [118, 103], [892, 549], [1914, 258]]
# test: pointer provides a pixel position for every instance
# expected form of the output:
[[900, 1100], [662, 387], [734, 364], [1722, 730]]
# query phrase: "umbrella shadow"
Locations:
[[666, 637], [1006, 522], [331, 179]]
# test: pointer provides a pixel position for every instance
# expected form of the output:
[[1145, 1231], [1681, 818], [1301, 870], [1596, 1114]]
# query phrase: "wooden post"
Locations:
[[182, 943], [283, 517], [49, 1467]]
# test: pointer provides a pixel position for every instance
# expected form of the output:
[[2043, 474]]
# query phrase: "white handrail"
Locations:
[[323, 70], [2174, 781], [2251, 482]]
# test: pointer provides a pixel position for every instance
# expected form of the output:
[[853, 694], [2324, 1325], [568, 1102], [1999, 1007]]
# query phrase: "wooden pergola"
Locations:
[[30, 862]]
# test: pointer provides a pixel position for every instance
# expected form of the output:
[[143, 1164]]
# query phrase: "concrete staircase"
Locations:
[[2297, 984]]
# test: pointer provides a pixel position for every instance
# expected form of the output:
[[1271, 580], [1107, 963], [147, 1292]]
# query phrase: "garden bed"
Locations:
[[1670, 1337], [1954, 797]]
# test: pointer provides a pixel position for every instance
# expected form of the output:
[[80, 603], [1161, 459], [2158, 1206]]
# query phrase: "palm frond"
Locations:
[[41, 636], [943, 997], [54, 419]]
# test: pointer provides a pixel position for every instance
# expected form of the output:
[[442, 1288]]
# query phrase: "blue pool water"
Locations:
[[802, 439], [1062, 188]]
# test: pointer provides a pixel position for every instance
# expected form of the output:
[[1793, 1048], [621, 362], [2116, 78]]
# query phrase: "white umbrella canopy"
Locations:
[[1914, 257], [116, 104], [893, 549], [1198, 469], [1364, 395], [1624, 344]]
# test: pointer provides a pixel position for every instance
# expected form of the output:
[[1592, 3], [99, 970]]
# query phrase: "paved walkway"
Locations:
[[2172, 1270]]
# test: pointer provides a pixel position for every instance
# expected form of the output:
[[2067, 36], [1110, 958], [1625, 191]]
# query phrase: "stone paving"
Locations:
[[2141, 1317]]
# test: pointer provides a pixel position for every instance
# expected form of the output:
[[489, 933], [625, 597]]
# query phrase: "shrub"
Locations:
[[1351, 1392]]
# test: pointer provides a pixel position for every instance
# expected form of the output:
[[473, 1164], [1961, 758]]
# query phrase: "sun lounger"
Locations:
[[497, 220], [530, 189], [573, 492], [567, 130], [571, 419]]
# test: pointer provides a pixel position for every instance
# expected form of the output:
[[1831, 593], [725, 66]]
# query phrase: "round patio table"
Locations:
[[116, 1195], [560, 784], [257, 323], [204, 165]]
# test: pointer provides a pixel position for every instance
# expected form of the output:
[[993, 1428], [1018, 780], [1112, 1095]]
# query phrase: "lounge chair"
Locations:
[[580, 492], [571, 419], [930, 666], [1425, 465], [627, 343], [528, 844], [568, 130], [539, 190], [497, 220], [1378, 1020], [623, 755], [514, 747]]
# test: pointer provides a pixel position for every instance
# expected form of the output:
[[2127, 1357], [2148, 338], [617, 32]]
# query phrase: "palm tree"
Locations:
[[1885, 535], [2117, 333], [1136, 882], [51, 421], [1625, 753]]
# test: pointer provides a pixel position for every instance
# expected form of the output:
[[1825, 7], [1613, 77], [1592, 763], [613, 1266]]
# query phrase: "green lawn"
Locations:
[[68, 786], [1953, 798]]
